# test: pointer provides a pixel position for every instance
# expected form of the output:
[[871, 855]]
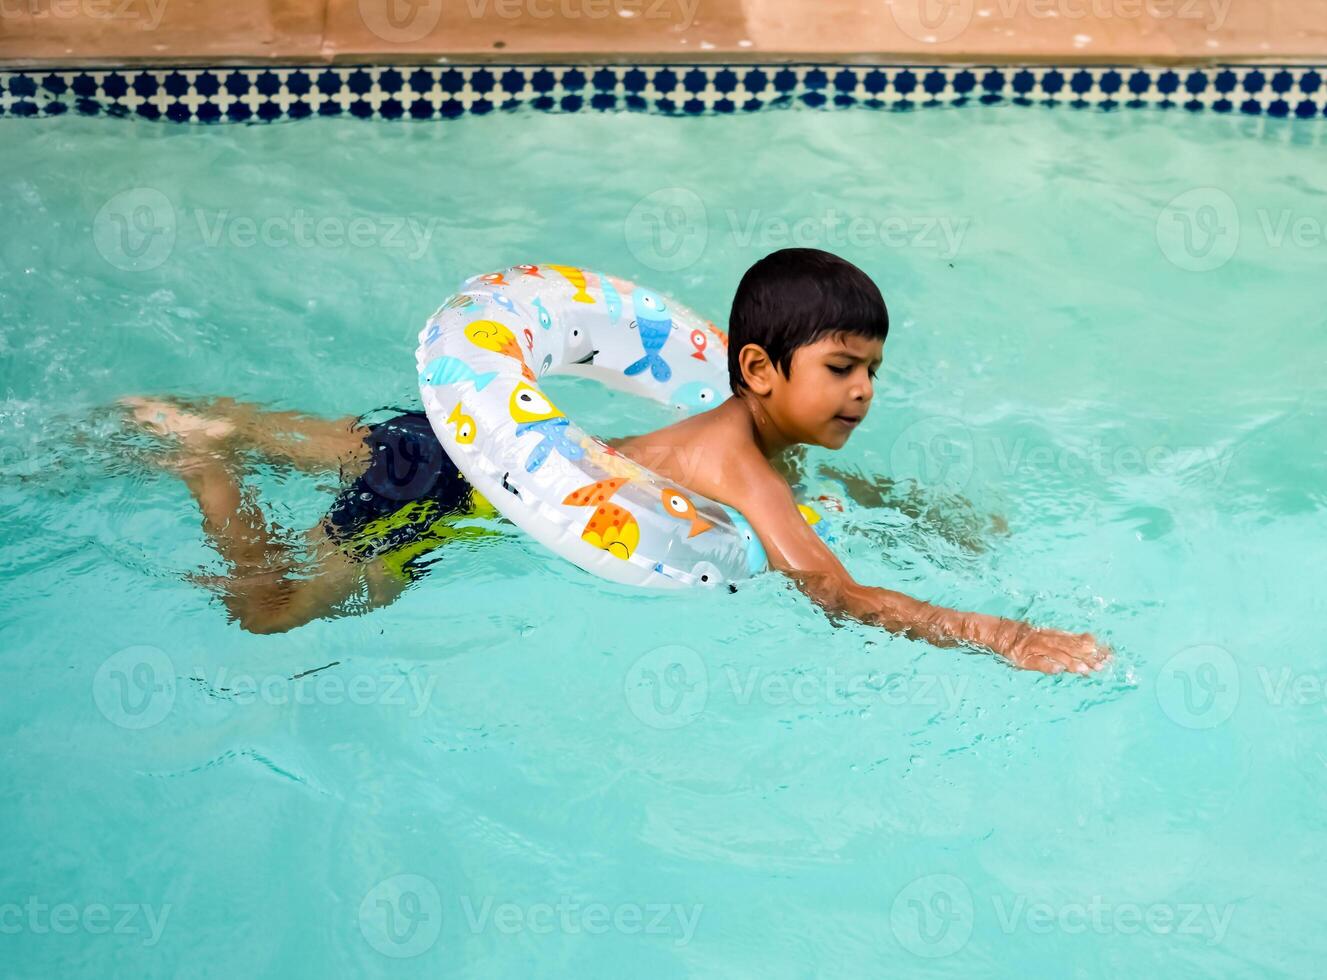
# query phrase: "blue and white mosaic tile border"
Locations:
[[271, 94]]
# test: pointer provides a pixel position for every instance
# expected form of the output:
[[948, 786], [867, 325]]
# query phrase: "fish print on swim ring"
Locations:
[[539, 468]]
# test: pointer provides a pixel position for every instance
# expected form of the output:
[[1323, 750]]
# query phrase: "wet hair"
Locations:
[[796, 296]]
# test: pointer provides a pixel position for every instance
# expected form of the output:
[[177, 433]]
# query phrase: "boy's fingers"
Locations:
[[1046, 665]]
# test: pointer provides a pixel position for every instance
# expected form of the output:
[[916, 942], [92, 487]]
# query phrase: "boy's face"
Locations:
[[829, 388]]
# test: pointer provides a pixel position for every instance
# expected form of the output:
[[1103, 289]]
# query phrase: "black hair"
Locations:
[[794, 297]]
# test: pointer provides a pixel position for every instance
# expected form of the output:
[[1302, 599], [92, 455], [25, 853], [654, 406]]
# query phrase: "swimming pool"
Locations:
[[1108, 330]]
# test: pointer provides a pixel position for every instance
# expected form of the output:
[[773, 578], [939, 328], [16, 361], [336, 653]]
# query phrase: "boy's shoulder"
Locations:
[[708, 456], [732, 469]]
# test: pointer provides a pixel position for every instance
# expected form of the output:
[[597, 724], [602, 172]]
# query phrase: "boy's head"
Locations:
[[805, 337]]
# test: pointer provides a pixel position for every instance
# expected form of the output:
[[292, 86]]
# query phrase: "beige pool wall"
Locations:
[[162, 32]]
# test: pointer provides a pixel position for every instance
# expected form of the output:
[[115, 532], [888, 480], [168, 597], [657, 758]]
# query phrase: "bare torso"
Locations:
[[705, 453]]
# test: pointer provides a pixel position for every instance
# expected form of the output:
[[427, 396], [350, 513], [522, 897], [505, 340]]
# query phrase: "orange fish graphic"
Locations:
[[491, 335], [493, 279], [577, 278], [528, 270], [611, 528], [679, 505]]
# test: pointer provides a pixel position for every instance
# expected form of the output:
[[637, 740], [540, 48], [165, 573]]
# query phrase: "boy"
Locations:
[[804, 344]]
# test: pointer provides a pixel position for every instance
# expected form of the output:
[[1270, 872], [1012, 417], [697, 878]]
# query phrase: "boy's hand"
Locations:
[[1055, 651]]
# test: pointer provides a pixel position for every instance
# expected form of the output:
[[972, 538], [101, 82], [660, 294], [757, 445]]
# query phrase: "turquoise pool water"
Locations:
[[1108, 330]]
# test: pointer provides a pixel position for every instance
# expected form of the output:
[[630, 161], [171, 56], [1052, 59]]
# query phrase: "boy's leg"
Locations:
[[236, 527], [260, 593], [305, 441]]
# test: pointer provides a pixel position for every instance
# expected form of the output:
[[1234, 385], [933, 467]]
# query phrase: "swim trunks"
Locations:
[[404, 504]]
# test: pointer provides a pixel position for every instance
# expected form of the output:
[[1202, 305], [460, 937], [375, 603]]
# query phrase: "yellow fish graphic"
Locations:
[[577, 278], [464, 424], [530, 405], [491, 335]]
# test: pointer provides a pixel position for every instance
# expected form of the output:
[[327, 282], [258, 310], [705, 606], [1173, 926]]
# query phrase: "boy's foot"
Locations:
[[196, 434], [166, 419]]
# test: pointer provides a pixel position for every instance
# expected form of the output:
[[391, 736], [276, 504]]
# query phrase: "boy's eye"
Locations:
[[837, 369]]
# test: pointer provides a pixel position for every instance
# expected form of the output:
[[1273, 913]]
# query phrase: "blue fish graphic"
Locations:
[[655, 324], [611, 297], [450, 371]]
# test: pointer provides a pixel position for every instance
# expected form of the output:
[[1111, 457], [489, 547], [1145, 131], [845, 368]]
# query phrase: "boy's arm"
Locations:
[[795, 549]]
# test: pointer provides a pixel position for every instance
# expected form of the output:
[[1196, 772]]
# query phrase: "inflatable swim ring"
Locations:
[[480, 359]]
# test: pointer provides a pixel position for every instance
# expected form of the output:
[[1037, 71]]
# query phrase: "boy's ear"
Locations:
[[757, 369]]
